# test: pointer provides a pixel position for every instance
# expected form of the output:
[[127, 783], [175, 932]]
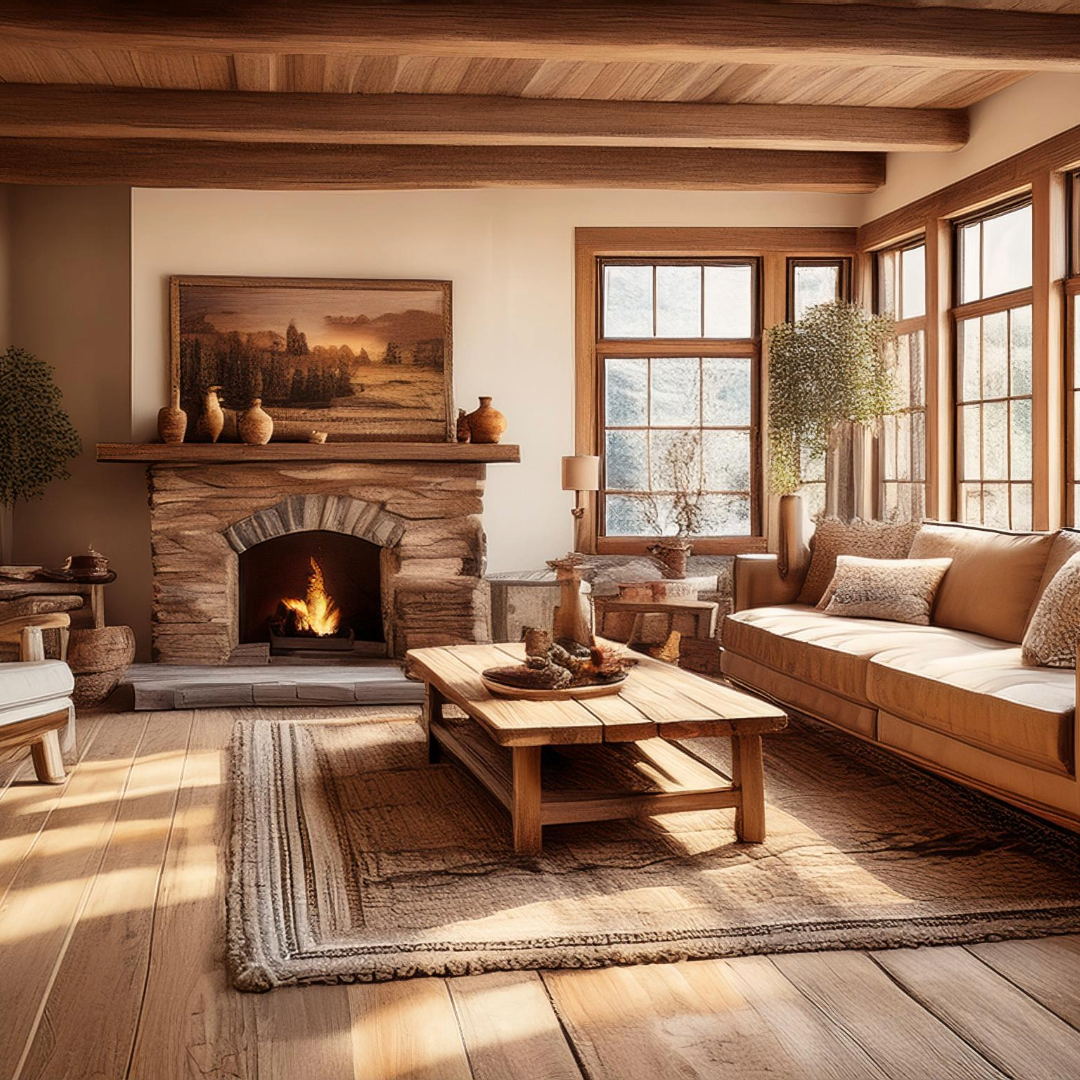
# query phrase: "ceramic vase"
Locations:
[[486, 424], [172, 420], [255, 424], [794, 554], [212, 418], [671, 553], [463, 432]]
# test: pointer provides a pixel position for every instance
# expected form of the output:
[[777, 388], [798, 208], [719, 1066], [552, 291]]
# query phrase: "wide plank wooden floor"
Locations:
[[111, 939]]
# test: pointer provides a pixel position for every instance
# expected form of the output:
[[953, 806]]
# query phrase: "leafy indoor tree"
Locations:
[[835, 364], [37, 438]]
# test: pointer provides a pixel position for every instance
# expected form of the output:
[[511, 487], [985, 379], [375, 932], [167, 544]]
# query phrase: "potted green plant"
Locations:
[[832, 366], [37, 438]]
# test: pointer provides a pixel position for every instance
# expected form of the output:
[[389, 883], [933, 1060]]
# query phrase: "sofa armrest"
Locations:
[[756, 582]]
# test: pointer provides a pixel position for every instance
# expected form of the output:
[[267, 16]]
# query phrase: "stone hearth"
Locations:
[[424, 516]]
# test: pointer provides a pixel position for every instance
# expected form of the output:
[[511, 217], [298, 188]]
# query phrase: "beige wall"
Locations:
[[510, 257], [1020, 116], [70, 305]]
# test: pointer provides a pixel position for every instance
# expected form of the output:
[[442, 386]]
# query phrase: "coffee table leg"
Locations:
[[526, 805], [748, 773], [433, 703]]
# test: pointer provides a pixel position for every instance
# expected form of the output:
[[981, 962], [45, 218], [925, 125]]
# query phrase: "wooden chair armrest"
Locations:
[[756, 582], [26, 631]]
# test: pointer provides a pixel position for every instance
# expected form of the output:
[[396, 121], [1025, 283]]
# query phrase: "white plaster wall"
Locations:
[[510, 256], [1017, 117]]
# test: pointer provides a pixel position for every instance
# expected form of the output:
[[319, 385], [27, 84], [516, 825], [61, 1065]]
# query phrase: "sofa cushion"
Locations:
[[1066, 544], [976, 689], [869, 539], [27, 684], [828, 651], [992, 585], [901, 590]]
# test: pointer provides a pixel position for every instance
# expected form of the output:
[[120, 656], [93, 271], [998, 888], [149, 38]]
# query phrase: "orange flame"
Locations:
[[317, 612]]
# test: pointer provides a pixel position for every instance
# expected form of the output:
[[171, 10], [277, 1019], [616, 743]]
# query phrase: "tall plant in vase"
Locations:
[[833, 366], [37, 438], [681, 508]]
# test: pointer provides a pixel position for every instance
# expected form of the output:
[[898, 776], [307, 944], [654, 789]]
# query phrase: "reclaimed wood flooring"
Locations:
[[111, 938]]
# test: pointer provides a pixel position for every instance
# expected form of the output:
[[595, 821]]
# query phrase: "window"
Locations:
[[993, 368], [678, 357], [1072, 354], [901, 292], [816, 281]]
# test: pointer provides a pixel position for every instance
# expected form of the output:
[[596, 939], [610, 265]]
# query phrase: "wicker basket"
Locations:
[[104, 649], [99, 659]]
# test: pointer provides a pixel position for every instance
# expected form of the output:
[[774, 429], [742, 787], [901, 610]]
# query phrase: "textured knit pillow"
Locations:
[[1054, 631], [870, 539], [898, 589]]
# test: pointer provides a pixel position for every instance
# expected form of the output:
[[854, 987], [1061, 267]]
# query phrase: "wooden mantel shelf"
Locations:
[[240, 453]]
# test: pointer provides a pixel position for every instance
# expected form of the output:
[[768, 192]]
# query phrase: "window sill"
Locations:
[[705, 545]]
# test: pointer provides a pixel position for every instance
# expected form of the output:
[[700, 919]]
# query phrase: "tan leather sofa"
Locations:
[[953, 696]]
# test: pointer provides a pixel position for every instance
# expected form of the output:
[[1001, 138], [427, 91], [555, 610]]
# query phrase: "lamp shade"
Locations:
[[581, 473]]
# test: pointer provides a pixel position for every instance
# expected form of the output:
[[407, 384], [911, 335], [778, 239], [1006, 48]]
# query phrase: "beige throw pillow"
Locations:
[[870, 539], [1054, 631], [902, 590]]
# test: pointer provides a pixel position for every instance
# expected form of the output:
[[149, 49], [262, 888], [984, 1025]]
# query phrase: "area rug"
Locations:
[[354, 859]]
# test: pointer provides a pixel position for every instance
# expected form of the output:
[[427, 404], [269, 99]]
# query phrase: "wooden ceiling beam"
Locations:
[[63, 113], [739, 31], [314, 166]]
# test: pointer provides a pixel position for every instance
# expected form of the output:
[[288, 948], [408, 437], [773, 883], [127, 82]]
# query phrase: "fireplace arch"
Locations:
[[307, 513]]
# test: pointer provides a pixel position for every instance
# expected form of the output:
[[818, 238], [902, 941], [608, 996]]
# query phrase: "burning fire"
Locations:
[[317, 612]]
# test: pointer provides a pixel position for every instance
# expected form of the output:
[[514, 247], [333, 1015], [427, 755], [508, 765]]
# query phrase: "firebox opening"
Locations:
[[312, 591]]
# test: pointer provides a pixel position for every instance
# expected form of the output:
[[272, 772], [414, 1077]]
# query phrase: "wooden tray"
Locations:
[[569, 693]]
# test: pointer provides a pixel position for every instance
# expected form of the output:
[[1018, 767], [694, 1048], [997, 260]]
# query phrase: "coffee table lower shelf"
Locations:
[[591, 781]]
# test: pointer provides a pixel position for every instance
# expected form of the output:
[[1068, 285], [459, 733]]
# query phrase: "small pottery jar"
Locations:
[[212, 418], [671, 553], [486, 425], [255, 424], [463, 432], [172, 420]]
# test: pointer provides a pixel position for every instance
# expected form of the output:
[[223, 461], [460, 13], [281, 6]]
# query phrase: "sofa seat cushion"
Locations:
[[976, 689], [26, 687], [828, 651]]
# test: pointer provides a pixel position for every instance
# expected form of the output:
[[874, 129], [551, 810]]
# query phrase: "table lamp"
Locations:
[[580, 473]]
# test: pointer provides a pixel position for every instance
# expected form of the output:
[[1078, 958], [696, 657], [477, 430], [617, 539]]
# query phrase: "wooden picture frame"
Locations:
[[378, 367]]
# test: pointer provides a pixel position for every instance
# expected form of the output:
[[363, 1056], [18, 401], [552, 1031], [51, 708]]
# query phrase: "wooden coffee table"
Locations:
[[656, 704]]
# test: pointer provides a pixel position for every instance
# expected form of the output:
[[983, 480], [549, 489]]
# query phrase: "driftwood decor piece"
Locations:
[[368, 358]]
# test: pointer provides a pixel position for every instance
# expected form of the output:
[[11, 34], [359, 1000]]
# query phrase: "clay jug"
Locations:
[[486, 425], [463, 432], [255, 424], [212, 418], [172, 420]]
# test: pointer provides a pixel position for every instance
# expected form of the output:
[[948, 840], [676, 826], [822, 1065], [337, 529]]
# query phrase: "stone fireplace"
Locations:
[[399, 547]]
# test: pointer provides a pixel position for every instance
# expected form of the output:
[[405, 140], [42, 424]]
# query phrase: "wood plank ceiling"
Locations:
[[680, 94]]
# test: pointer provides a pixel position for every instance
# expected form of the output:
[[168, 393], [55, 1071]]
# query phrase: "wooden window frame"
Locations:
[[1000, 303], [904, 328], [1043, 173], [794, 262], [661, 348], [1071, 292], [770, 247]]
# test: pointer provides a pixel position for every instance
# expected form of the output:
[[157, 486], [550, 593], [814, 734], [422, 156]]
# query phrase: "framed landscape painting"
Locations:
[[354, 358]]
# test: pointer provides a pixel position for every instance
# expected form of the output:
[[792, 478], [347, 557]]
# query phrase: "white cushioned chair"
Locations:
[[35, 698]]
